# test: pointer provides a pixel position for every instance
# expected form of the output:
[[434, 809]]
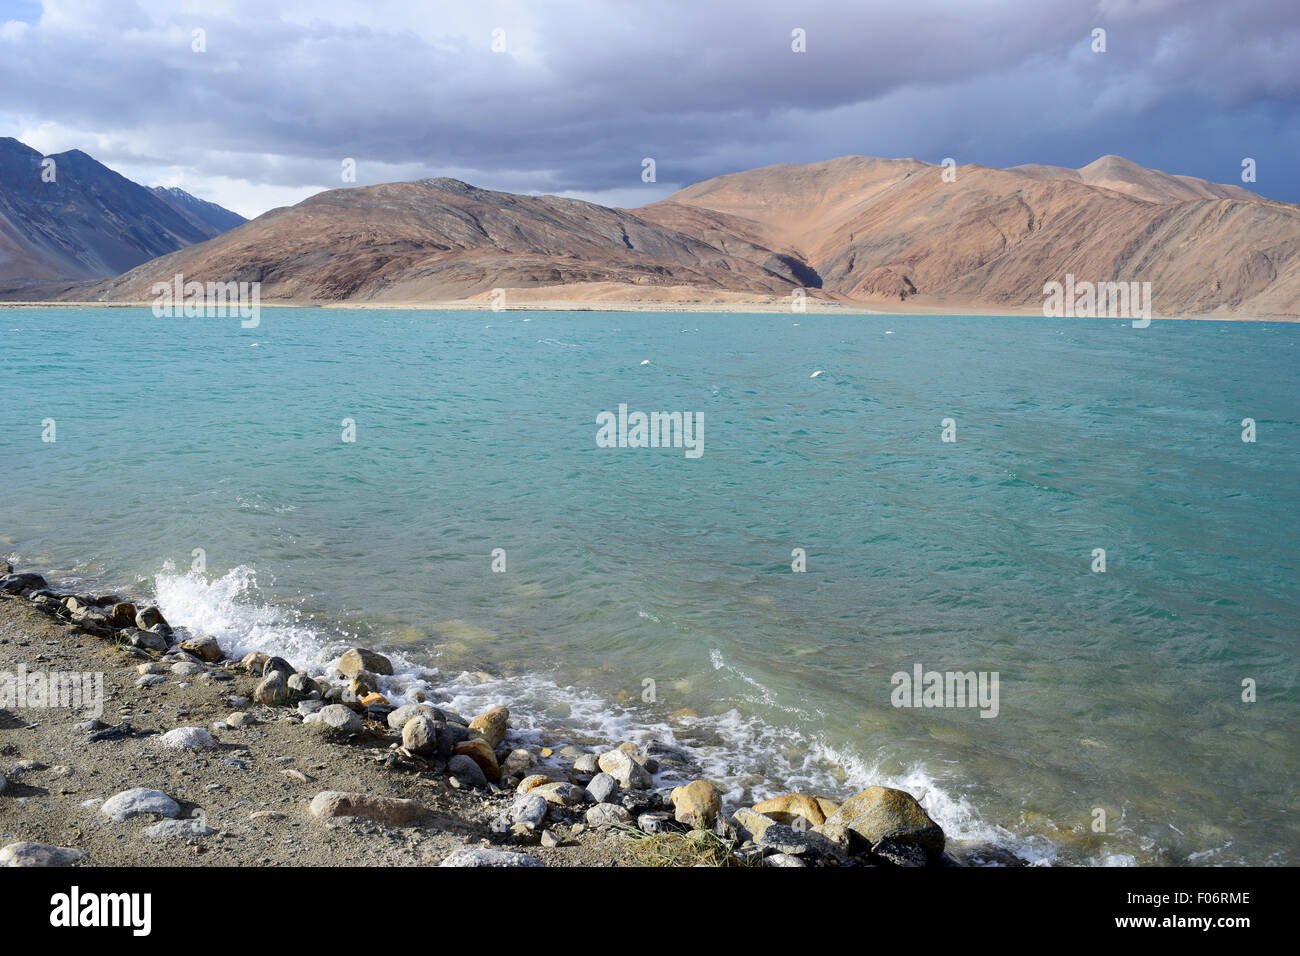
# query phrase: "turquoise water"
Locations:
[[476, 431]]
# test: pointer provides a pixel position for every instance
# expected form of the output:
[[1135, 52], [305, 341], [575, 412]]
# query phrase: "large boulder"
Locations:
[[697, 804], [420, 735], [122, 614], [16, 583], [336, 719], [358, 659], [150, 617], [397, 720], [272, 691], [607, 815], [147, 640], [620, 765], [204, 648], [880, 814], [477, 749], [491, 726], [561, 794], [791, 808], [467, 771]]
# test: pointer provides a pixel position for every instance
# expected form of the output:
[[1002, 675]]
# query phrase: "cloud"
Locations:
[[582, 92]]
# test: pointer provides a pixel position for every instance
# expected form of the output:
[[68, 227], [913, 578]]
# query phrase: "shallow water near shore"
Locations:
[[477, 431]]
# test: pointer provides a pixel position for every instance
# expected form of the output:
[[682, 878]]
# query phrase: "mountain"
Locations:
[[440, 239], [880, 232], [858, 232], [89, 222], [203, 215]]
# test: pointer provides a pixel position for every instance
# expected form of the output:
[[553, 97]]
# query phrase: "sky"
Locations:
[[564, 97]]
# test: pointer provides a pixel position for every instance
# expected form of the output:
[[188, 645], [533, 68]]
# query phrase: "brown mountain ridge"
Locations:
[[856, 232]]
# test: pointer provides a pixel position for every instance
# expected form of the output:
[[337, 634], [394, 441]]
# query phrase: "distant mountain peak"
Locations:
[[90, 221]]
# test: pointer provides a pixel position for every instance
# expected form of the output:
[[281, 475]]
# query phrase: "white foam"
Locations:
[[739, 745]]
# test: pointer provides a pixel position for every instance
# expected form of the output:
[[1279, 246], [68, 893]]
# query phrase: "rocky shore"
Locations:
[[199, 759]]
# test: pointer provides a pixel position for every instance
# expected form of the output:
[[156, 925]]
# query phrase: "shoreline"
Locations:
[[815, 307], [255, 762]]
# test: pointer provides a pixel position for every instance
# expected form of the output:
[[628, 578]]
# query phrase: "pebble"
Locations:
[[149, 680]]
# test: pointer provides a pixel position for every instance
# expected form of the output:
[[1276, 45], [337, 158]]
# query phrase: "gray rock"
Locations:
[[792, 842], [188, 738], [602, 787], [149, 618], [607, 814], [301, 685], [625, 770], [271, 691], [784, 859], [38, 854], [468, 772], [187, 669], [309, 707], [14, 583], [149, 680], [481, 857], [398, 718], [335, 718], [528, 808], [657, 822], [178, 829], [149, 640], [449, 735], [131, 803], [278, 665], [907, 855], [586, 763], [359, 659], [420, 735]]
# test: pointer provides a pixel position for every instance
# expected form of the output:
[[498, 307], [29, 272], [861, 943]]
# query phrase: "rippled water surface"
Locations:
[[1119, 691]]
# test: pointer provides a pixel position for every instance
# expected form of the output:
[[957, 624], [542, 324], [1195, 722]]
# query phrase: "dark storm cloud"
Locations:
[[584, 91]]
